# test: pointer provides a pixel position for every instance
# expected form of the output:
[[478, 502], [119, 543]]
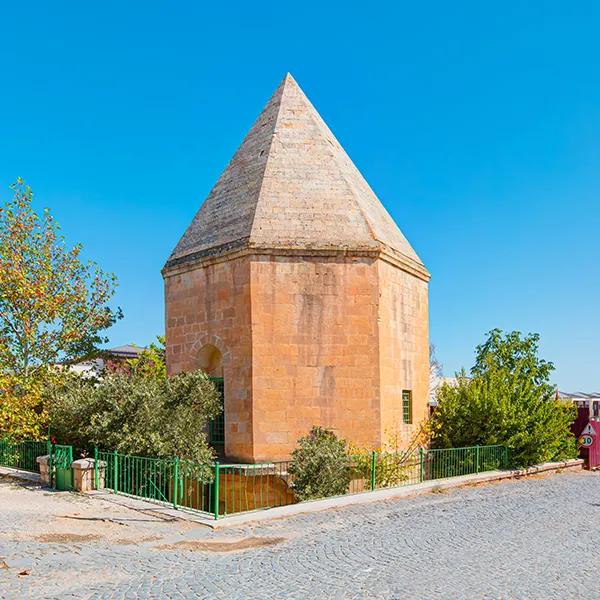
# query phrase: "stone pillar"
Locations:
[[83, 474], [44, 463]]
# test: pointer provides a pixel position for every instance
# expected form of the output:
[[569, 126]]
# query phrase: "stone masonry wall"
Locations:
[[403, 348], [314, 350], [306, 341], [211, 305]]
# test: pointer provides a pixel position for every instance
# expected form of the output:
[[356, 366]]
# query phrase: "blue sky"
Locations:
[[476, 123]]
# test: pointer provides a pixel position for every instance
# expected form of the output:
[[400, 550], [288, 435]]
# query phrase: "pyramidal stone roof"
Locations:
[[291, 186]]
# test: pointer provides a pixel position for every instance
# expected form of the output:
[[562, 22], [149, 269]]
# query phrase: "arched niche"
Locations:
[[210, 360]]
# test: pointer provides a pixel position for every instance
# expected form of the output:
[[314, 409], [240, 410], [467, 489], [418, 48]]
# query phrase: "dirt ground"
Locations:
[[71, 518]]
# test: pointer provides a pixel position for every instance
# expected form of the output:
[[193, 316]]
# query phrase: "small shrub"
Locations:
[[319, 465], [397, 462], [396, 468]]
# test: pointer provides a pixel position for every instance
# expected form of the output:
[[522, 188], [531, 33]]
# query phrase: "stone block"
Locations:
[[44, 465], [84, 474]]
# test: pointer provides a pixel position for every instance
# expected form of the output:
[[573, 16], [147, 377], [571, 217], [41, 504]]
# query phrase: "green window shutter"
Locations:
[[407, 406]]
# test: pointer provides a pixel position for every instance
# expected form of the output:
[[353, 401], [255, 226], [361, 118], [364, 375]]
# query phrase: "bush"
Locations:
[[507, 400], [319, 466], [137, 414]]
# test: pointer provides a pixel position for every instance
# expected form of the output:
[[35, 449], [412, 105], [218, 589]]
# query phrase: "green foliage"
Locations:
[[53, 307], [395, 468], [396, 462], [391, 468], [512, 353], [136, 414], [152, 361], [508, 400], [23, 413], [319, 465]]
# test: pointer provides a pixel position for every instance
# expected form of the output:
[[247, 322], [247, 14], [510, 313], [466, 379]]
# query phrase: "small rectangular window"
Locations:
[[407, 406]]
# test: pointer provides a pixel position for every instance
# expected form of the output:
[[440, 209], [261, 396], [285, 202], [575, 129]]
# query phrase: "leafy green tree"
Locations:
[[320, 465], [511, 353], [137, 414], [53, 307], [508, 399]]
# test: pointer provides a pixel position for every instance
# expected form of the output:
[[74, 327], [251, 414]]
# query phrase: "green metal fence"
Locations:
[[375, 470], [453, 462], [245, 487], [250, 487], [227, 489], [22, 455], [172, 481]]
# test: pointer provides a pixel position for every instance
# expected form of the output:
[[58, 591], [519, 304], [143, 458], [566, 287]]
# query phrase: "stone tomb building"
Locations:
[[295, 285]]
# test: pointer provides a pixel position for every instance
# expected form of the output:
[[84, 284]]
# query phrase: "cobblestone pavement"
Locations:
[[536, 538]]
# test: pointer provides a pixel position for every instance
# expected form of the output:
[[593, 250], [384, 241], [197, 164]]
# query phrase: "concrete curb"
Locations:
[[282, 512], [388, 494]]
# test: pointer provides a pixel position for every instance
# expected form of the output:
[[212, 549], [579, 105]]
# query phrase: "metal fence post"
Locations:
[[96, 474], [373, 467], [115, 471], [216, 496], [477, 459], [49, 453], [421, 463], [175, 481]]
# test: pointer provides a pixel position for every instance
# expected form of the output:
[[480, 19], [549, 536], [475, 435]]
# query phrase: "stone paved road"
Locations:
[[530, 539]]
